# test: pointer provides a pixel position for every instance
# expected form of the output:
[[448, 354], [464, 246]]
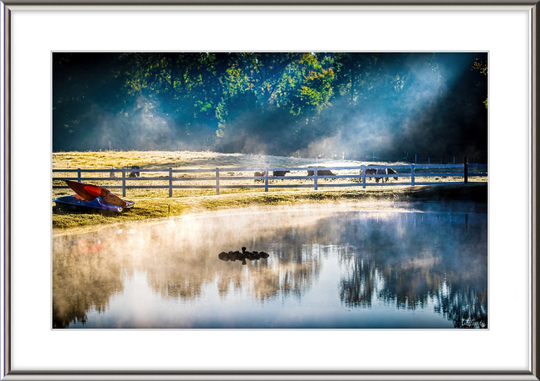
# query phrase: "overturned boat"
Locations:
[[92, 198]]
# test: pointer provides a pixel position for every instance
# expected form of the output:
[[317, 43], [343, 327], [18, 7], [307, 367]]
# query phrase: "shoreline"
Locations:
[[159, 209]]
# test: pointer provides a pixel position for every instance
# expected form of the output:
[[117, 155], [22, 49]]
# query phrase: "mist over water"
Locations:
[[401, 266]]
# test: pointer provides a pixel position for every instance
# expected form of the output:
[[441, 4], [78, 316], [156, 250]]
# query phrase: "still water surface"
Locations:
[[407, 267]]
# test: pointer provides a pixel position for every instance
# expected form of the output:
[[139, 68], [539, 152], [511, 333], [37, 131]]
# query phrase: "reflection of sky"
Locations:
[[319, 307], [341, 270]]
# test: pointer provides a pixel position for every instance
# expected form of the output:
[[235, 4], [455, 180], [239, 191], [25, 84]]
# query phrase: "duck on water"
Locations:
[[242, 256]]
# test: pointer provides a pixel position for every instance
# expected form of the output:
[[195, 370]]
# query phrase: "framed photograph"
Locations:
[[270, 191]]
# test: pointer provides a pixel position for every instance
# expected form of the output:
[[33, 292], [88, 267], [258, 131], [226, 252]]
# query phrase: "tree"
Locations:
[[272, 103], [480, 64]]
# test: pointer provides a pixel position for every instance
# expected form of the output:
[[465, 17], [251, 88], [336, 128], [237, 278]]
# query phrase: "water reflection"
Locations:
[[324, 269], [415, 260], [84, 278]]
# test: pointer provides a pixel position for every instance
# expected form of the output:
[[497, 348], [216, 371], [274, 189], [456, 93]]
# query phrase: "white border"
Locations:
[[2, 179], [505, 34]]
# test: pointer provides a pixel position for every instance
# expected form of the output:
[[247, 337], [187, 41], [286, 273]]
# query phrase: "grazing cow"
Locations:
[[381, 171], [279, 173], [375, 171], [259, 174], [371, 171], [390, 171], [325, 172], [135, 174], [321, 172]]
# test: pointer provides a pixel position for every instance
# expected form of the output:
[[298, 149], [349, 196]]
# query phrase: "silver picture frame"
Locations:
[[10, 374]]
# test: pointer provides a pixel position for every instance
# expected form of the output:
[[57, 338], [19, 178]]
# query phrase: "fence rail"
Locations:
[[220, 174]]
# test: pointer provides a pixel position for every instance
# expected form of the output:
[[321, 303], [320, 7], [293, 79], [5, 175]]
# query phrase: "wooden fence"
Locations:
[[411, 171]]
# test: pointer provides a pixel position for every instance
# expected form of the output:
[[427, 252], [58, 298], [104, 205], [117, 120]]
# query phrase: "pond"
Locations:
[[404, 266]]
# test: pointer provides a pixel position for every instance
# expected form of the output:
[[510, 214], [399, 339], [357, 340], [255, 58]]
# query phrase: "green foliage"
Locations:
[[235, 102], [482, 66]]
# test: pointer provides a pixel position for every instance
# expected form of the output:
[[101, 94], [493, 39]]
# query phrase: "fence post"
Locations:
[[412, 175], [170, 182], [123, 182], [78, 174], [266, 179], [315, 177], [217, 180], [465, 169], [364, 176]]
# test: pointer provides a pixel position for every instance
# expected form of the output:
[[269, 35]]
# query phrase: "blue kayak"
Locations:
[[96, 205]]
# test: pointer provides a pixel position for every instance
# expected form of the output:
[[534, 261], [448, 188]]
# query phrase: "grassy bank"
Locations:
[[150, 208]]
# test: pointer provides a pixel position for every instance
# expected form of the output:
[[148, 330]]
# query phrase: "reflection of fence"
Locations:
[[359, 177]]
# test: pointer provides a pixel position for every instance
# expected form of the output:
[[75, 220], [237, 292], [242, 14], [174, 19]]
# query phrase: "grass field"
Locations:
[[155, 203], [207, 160]]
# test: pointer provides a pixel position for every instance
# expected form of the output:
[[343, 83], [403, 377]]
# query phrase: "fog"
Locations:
[[320, 260], [291, 104]]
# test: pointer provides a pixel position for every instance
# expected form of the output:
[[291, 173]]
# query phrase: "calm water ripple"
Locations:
[[399, 268]]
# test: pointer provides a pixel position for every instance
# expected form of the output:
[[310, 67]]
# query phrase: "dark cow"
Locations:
[[135, 174], [370, 171], [380, 171], [390, 171], [321, 172], [279, 173], [375, 171]]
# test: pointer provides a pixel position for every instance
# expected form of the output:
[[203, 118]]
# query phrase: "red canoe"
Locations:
[[90, 192]]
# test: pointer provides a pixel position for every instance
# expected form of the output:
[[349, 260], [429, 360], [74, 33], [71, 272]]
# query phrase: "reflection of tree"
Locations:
[[447, 269], [466, 308], [86, 273], [194, 263], [178, 264], [359, 288]]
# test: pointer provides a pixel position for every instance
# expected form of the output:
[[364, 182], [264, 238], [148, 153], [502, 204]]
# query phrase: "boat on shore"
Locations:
[[92, 198]]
